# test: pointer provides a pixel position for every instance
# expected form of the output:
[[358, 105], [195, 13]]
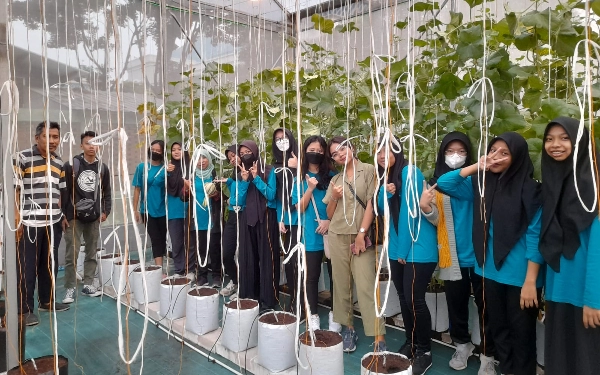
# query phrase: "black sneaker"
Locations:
[[406, 350], [49, 307], [31, 319], [421, 363]]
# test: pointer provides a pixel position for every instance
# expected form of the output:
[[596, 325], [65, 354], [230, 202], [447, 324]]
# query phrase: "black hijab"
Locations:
[[283, 173], [563, 216], [395, 176], [440, 164], [256, 203], [175, 177], [512, 199]]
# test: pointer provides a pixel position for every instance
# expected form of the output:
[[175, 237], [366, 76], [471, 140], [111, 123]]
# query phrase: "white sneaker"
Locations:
[[487, 365], [229, 289], [314, 323], [333, 326], [69, 296], [461, 356], [233, 297], [191, 276]]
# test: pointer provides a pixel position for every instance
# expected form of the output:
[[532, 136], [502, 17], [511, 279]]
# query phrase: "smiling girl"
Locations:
[[506, 225], [570, 244]]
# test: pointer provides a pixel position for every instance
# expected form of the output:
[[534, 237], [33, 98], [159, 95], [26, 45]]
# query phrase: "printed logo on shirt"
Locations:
[[87, 180]]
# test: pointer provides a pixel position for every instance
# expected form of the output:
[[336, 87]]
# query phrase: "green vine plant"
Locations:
[[529, 63]]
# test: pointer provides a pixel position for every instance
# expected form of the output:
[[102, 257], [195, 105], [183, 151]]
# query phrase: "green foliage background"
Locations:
[[532, 87]]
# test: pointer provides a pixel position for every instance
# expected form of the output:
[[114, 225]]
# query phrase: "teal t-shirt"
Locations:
[[578, 281], [268, 189], [514, 267], [203, 206], [154, 205], [401, 243], [312, 240], [237, 190], [462, 213], [177, 208]]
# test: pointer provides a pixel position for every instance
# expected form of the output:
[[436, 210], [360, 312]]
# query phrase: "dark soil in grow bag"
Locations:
[[323, 338], [277, 319], [149, 268], [45, 366], [393, 364], [109, 256], [176, 281], [245, 304], [134, 261], [202, 292]]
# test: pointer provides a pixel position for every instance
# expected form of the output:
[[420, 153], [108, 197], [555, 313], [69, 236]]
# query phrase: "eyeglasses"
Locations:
[[339, 150], [460, 152]]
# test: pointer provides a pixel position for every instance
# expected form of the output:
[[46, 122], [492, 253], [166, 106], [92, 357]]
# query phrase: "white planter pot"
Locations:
[[202, 311], [106, 268], [474, 322], [321, 360], [173, 295], [438, 308], [540, 328], [393, 302], [153, 278], [390, 370], [240, 328], [277, 338], [119, 272]]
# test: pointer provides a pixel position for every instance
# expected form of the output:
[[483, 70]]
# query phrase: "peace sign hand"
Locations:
[[488, 161], [244, 172], [427, 197], [254, 170]]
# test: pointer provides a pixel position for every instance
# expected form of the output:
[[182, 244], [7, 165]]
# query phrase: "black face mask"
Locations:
[[156, 156], [314, 157], [248, 160]]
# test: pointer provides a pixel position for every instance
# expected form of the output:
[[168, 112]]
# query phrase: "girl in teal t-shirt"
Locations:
[[570, 245]]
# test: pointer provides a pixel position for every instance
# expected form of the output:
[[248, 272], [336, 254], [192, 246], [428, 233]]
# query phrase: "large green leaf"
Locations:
[[508, 118], [350, 26], [553, 108], [323, 24], [511, 20], [532, 99], [470, 44], [422, 7], [448, 85], [525, 41]]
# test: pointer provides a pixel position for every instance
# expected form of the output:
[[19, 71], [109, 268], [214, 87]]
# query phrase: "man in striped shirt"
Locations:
[[40, 178]]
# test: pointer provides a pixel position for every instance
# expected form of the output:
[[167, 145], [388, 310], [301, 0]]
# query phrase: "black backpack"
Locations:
[[86, 210]]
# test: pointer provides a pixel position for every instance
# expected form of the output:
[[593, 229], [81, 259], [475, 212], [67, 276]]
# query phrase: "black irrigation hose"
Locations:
[[248, 342]]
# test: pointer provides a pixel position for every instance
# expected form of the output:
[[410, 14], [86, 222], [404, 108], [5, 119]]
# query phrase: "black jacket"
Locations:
[[84, 187]]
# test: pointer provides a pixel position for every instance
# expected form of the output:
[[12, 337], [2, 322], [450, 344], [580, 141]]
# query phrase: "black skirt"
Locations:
[[569, 347]]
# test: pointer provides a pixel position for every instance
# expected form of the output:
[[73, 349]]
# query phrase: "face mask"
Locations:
[[314, 157], [455, 160], [248, 160], [156, 156], [283, 144]]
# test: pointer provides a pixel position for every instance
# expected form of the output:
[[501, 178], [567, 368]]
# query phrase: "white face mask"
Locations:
[[455, 160], [283, 144]]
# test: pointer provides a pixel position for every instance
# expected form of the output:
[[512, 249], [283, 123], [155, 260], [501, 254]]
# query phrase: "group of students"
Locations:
[[489, 227]]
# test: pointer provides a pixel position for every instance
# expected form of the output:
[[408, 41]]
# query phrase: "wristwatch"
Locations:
[[362, 230]]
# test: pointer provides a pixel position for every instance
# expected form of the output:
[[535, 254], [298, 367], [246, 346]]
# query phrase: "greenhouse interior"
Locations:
[[214, 173]]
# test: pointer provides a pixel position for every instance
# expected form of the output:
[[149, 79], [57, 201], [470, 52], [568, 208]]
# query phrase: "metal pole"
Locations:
[[9, 244]]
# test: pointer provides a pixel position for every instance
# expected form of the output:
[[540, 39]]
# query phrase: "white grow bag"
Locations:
[[438, 308], [119, 272], [365, 371], [106, 268], [173, 298], [240, 329], [324, 360], [278, 339], [202, 312], [153, 278]]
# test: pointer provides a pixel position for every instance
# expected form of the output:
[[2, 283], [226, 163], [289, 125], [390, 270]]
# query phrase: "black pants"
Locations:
[[236, 223], [157, 231], [291, 268], [411, 282], [458, 293], [183, 258], [314, 260], [33, 252], [199, 244], [214, 252], [265, 246], [513, 329], [569, 347]]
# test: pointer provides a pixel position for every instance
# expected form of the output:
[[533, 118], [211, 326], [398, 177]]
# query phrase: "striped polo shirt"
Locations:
[[40, 197]]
